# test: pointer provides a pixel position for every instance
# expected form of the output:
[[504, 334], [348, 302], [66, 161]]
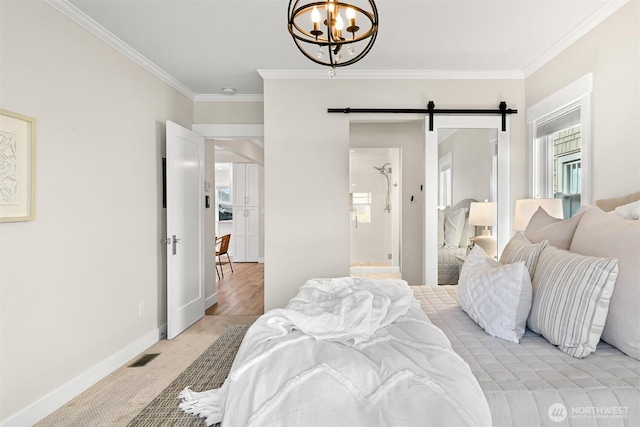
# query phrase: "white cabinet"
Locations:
[[245, 184], [246, 233], [246, 221]]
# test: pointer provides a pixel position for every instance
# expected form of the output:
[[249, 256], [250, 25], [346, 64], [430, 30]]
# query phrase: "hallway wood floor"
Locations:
[[240, 293]]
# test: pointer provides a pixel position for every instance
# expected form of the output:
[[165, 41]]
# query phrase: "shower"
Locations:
[[384, 170]]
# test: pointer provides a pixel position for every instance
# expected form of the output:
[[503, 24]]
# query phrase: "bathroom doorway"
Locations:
[[375, 212]]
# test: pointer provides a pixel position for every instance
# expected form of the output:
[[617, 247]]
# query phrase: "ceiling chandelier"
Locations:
[[318, 29]]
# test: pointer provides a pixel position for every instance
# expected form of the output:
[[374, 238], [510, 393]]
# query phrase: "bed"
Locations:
[[345, 351], [525, 382], [454, 232]]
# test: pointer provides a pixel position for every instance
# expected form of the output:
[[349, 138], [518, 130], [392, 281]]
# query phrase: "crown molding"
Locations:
[[75, 14], [229, 98], [589, 24], [393, 74]]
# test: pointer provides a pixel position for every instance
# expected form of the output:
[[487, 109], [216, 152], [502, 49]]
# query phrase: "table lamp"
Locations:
[[484, 214]]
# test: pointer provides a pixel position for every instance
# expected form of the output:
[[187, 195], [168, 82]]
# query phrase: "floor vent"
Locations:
[[144, 360]]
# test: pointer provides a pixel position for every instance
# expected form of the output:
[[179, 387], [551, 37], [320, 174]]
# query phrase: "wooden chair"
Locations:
[[222, 248]]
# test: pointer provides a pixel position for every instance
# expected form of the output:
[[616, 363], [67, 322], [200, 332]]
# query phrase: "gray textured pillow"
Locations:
[[571, 294], [601, 234], [520, 249], [558, 232], [453, 226]]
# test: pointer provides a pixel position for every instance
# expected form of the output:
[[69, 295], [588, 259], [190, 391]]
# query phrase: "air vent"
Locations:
[[144, 360]]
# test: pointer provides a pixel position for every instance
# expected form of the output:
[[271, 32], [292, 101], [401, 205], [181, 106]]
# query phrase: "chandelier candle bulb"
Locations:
[[351, 15], [339, 26], [315, 18], [322, 40]]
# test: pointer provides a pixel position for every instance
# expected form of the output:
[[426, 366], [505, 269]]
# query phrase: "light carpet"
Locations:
[[206, 372]]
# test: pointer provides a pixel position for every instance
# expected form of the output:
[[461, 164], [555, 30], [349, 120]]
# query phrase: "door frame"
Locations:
[[212, 131]]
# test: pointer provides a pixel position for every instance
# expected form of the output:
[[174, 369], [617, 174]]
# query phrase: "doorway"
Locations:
[[375, 212]]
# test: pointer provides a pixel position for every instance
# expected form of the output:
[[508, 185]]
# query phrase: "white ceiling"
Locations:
[[206, 45]]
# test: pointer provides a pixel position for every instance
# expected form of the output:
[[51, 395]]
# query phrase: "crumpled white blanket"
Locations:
[[345, 351], [347, 309]]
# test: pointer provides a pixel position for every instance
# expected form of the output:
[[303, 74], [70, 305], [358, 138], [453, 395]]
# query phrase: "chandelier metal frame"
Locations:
[[331, 38]]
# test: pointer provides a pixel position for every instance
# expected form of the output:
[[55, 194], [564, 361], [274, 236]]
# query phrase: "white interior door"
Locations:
[[185, 221]]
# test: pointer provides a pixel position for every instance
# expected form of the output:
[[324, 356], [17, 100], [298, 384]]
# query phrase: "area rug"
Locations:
[[206, 372]]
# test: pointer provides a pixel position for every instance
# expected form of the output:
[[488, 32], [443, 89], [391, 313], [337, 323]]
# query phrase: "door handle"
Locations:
[[175, 240]]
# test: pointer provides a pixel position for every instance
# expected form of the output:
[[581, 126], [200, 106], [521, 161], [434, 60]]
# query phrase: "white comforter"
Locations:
[[345, 352]]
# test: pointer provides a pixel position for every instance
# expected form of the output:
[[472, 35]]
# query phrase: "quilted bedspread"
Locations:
[[533, 383], [349, 352]]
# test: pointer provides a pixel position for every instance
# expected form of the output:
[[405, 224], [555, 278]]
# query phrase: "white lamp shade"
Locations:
[[525, 208], [484, 214]]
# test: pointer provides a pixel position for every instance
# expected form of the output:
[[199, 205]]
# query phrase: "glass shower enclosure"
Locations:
[[375, 212]]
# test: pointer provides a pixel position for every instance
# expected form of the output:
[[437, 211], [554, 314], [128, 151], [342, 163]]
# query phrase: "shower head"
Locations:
[[382, 169]]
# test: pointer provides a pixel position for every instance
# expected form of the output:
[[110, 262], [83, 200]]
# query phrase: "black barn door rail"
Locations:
[[431, 110]]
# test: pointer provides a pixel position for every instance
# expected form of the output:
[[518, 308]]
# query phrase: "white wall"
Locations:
[[228, 112], [307, 164], [409, 137], [71, 281], [611, 51]]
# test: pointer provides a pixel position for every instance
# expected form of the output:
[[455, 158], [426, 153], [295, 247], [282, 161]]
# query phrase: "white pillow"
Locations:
[[571, 294], [629, 211], [453, 226], [497, 297]]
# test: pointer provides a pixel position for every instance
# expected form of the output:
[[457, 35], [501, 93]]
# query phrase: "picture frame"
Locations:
[[17, 167]]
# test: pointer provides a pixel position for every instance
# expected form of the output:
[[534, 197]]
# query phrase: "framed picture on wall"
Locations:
[[17, 167]]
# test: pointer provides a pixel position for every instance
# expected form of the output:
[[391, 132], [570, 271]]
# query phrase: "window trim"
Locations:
[[579, 93]]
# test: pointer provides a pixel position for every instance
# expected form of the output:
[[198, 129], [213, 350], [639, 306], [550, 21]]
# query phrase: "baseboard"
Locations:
[[162, 332], [63, 394], [260, 260], [210, 301]]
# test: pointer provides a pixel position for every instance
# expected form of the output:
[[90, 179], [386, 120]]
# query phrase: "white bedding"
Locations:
[[525, 382], [370, 357]]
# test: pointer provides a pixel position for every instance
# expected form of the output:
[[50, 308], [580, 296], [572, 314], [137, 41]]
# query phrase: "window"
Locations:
[[569, 182], [445, 187], [223, 192], [559, 141]]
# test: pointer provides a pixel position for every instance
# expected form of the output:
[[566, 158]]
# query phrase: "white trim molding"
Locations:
[[594, 20], [561, 99], [241, 97], [210, 301], [230, 131], [85, 21], [578, 92], [63, 394], [392, 74]]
